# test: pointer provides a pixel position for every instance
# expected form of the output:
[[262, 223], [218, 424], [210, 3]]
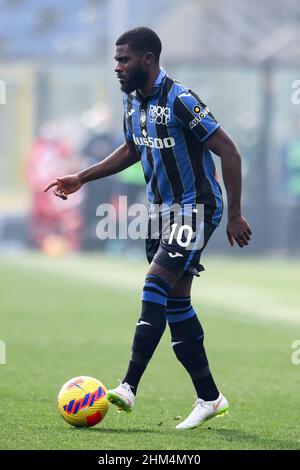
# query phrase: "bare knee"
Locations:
[[169, 276], [183, 287]]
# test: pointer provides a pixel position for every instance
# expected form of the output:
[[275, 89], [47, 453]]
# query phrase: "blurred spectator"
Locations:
[[55, 225], [130, 183], [97, 147]]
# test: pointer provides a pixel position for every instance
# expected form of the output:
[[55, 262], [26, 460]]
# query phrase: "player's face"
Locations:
[[130, 69]]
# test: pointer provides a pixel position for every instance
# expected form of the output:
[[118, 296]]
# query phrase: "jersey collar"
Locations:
[[156, 86], [158, 82]]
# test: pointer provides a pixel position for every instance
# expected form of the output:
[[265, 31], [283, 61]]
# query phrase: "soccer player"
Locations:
[[171, 131]]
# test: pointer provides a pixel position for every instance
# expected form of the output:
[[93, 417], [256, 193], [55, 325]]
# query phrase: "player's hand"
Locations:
[[238, 230], [64, 186]]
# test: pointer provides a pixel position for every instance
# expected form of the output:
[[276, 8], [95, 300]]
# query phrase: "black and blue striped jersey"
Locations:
[[169, 129]]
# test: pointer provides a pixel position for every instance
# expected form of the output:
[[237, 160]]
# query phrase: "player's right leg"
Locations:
[[149, 329]]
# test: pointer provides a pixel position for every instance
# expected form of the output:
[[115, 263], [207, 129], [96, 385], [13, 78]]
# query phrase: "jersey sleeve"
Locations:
[[194, 115], [126, 128], [127, 132]]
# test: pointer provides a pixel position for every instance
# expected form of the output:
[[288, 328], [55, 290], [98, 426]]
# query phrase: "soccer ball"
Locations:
[[82, 401]]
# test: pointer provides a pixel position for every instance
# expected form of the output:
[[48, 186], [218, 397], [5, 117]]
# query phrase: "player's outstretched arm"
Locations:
[[123, 157], [238, 228]]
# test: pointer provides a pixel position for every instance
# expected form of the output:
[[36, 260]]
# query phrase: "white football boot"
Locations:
[[203, 411], [122, 397]]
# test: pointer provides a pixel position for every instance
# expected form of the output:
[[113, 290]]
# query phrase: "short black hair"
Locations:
[[141, 39]]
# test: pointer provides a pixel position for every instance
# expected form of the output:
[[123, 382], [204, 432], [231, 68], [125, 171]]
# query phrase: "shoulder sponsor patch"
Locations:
[[200, 115]]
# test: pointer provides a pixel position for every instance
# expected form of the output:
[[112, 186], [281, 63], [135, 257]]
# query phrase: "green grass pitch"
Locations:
[[63, 317]]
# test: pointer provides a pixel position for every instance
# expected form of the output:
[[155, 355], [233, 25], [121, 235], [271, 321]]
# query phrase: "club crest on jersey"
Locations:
[[159, 114], [143, 117]]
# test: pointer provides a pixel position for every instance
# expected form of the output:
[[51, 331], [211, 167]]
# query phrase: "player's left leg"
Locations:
[[187, 338]]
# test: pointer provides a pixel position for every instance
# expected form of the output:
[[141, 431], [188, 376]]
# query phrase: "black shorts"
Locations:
[[169, 252]]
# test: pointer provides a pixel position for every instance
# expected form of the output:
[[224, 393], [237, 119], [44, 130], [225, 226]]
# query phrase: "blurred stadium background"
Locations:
[[57, 64], [62, 112]]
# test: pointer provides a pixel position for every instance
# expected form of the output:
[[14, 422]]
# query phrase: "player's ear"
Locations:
[[149, 58]]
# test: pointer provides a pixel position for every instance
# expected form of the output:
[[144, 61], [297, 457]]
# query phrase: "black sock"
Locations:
[[150, 328], [187, 341]]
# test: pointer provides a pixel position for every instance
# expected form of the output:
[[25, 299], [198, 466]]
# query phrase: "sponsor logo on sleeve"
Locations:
[[201, 114], [130, 112]]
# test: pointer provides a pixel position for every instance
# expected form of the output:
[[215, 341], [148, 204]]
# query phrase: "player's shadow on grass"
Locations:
[[240, 437]]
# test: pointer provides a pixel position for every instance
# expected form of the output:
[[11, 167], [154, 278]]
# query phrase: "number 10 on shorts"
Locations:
[[184, 235]]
